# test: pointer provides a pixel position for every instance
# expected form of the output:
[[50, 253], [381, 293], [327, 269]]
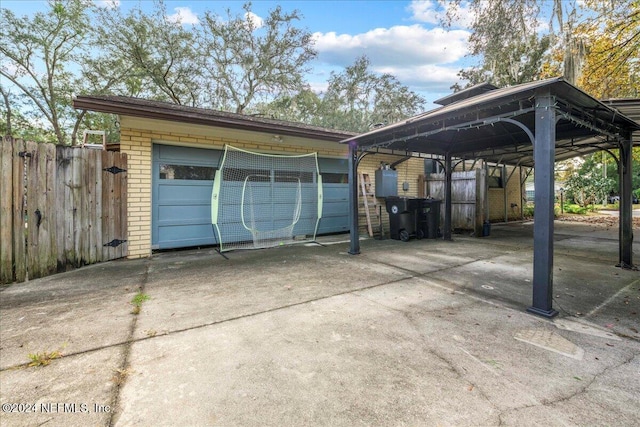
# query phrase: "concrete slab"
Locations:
[[419, 333], [249, 283], [71, 391], [71, 312], [344, 360]]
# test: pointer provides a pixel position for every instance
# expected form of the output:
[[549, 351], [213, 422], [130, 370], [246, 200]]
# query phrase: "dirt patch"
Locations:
[[596, 219]]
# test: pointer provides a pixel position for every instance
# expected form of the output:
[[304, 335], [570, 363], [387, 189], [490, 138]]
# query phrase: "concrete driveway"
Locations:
[[418, 333]]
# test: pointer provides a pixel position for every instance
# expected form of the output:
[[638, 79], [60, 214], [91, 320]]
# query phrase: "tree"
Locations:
[[612, 68], [587, 185], [358, 99], [39, 53], [505, 39], [20, 122], [7, 113], [247, 58], [302, 107], [593, 44], [160, 55]]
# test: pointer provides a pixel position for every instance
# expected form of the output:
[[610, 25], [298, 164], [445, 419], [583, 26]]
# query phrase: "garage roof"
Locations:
[[137, 107], [490, 124]]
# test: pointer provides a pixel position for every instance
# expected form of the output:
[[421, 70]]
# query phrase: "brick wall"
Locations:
[[408, 171], [514, 197], [137, 145], [137, 137]]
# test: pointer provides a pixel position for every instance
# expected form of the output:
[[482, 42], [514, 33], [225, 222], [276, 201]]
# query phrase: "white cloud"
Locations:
[[427, 77], [433, 12], [426, 60], [10, 67], [254, 19], [183, 15], [425, 11], [398, 45], [112, 4]]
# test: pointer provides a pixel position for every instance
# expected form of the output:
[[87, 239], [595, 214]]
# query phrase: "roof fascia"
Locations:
[[155, 112]]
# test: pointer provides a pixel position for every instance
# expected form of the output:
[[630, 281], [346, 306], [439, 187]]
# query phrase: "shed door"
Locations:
[[182, 183]]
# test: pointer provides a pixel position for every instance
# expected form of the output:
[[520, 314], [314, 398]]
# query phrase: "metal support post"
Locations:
[[544, 158], [354, 237], [626, 215], [446, 234]]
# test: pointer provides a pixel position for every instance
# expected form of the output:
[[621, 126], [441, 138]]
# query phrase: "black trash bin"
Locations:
[[404, 221], [429, 218]]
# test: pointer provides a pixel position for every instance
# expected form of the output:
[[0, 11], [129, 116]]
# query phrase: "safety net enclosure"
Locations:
[[265, 200]]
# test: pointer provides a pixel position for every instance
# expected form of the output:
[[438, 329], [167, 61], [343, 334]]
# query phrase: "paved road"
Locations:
[[635, 213]]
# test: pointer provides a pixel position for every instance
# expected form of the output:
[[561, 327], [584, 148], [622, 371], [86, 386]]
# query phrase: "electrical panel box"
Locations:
[[386, 183]]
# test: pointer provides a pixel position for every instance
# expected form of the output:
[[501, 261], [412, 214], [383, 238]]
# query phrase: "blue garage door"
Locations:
[[182, 184], [335, 191]]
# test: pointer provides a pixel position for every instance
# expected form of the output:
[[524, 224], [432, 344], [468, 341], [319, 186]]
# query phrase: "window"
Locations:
[[495, 182], [335, 178], [205, 173]]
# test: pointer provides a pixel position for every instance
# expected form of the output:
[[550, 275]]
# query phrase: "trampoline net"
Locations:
[[265, 200]]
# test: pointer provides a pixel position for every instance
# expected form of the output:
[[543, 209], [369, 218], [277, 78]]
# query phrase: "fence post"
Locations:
[[6, 210], [19, 232]]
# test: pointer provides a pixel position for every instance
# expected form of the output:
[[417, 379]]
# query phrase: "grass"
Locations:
[[120, 376], [137, 301], [574, 209], [44, 358]]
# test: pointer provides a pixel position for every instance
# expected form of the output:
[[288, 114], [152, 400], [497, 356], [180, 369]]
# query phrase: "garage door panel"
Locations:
[[173, 192], [182, 204], [331, 224], [192, 213], [334, 209], [168, 153], [185, 235]]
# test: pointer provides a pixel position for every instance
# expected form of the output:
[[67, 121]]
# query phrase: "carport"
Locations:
[[534, 125]]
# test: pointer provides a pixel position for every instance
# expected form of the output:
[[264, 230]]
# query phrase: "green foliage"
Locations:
[[574, 209], [246, 59], [592, 44], [76, 47], [137, 301], [356, 99], [505, 39], [39, 53], [44, 358], [161, 55], [528, 211], [611, 68], [139, 298], [587, 185]]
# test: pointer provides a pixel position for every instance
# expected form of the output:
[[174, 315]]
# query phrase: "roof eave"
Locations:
[[154, 112]]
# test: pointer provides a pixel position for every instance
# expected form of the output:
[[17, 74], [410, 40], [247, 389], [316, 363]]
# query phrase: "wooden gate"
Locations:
[[60, 207], [468, 197]]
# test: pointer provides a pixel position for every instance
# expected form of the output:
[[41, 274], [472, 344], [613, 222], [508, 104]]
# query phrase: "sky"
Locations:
[[399, 37]]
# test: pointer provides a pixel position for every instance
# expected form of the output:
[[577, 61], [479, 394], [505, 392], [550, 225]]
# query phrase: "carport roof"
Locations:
[[137, 107], [489, 125]]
